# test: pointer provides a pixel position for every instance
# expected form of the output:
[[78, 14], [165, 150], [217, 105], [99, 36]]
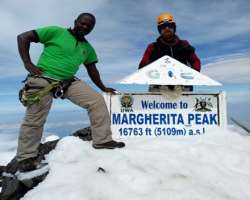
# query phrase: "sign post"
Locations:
[[155, 115]]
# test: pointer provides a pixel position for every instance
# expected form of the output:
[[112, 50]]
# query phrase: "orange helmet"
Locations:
[[165, 17]]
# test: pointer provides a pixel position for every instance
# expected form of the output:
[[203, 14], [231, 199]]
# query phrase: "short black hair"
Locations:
[[86, 14]]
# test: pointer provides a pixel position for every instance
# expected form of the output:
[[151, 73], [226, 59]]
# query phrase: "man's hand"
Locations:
[[23, 42], [109, 90], [34, 70], [95, 77]]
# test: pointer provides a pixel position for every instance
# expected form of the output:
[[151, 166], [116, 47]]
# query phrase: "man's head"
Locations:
[[166, 26], [84, 24]]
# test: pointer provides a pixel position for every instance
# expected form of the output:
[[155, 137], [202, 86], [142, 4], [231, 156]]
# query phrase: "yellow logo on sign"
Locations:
[[126, 103]]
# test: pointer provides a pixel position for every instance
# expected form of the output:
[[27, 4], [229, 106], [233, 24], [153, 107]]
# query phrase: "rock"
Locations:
[[2, 169], [14, 189]]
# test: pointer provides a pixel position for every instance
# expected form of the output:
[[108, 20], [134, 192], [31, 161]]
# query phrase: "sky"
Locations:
[[214, 166], [219, 30]]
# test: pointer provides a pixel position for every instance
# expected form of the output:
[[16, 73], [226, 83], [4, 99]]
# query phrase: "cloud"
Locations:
[[10, 70], [124, 28], [230, 69], [239, 97], [212, 21], [8, 108]]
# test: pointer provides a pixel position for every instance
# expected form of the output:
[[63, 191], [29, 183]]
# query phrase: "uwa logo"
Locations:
[[126, 103]]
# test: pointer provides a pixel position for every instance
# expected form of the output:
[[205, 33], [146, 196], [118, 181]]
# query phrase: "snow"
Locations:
[[44, 168], [50, 138], [208, 167]]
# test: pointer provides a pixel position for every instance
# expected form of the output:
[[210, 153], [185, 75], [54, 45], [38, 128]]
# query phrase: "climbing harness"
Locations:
[[58, 89]]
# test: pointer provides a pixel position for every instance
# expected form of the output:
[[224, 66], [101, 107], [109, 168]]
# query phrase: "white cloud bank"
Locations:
[[229, 70]]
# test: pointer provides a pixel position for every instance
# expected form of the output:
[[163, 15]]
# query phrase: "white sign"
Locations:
[[168, 71], [152, 114]]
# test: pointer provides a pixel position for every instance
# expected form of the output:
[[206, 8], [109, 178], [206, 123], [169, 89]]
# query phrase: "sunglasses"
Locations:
[[166, 25]]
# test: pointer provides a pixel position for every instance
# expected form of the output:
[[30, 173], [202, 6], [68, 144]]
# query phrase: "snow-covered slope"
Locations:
[[209, 167]]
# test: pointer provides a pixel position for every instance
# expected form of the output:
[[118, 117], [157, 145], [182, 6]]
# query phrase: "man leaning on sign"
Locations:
[[65, 49]]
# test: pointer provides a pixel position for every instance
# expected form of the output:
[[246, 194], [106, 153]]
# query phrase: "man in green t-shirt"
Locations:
[[64, 51]]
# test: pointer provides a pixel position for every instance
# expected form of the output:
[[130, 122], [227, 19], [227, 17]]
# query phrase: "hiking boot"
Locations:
[[109, 145], [28, 164]]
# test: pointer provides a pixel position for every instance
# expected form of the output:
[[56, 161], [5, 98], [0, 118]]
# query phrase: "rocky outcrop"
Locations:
[[14, 189]]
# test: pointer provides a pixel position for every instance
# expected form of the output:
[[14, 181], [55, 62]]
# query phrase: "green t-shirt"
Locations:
[[62, 54]]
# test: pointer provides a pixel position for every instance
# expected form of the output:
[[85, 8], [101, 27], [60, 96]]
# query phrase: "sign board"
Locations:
[[155, 115], [168, 71]]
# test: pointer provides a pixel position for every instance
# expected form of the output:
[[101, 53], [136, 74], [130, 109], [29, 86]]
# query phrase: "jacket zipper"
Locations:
[[172, 53]]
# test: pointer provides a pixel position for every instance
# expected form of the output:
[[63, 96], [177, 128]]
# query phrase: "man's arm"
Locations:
[[195, 62], [23, 42], [193, 59], [146, 59], [95, 77]]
